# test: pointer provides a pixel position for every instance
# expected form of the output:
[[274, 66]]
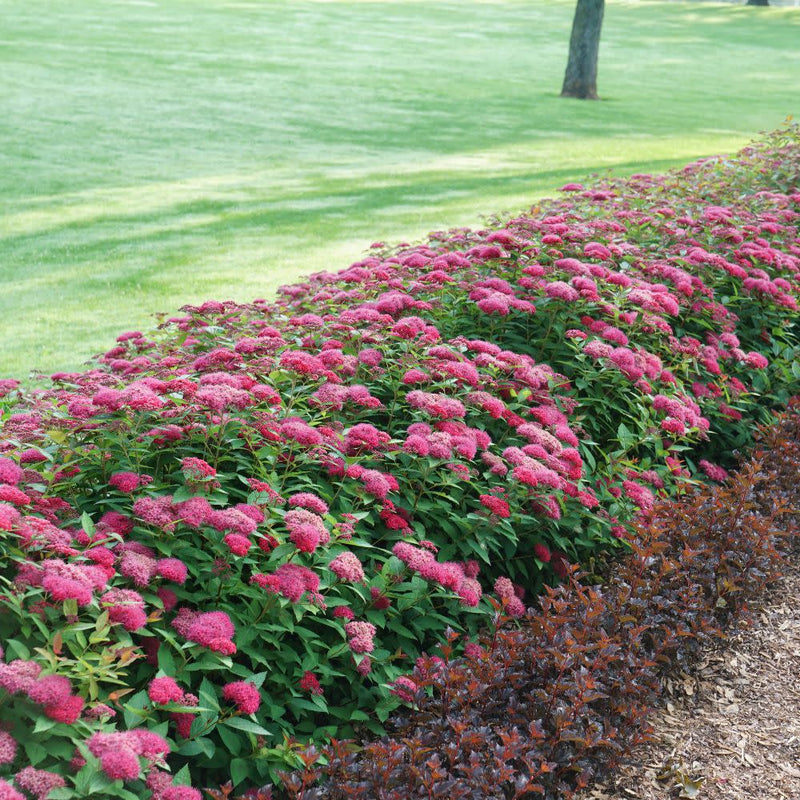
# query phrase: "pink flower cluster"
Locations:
[[496, 505], [64, 580], [448, 574], [165, 690], [714, 471], [38, 782], [128, 482], [507, 592], [8, 748], [334, 396], [364, 438], [126, 607], [160, 785], [436, 405], [196, 469], [307, 530], [445, 440], [211, 629], [310, 683], [347, 567], [120, 752], [640, 495], [53, 692], [360, 636], [245, 696], [309, 501], [681, 413], [292, 581], [10, 472], [405, 688]]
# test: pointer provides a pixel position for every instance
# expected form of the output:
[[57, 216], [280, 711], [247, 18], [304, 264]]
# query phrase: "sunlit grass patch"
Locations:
[[158, 154]]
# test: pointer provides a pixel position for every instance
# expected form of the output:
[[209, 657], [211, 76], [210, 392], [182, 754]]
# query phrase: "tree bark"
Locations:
[[757, 3], [580, 78]]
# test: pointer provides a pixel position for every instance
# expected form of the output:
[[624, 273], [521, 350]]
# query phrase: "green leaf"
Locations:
[[133, 710], [99, 781], [183, 776], [625, 437], [83, 779], [62, 793], [43, 724], [209, 663], [385, 707], [240, 769], [208, 694], [319, 702], [183, 493], [35, 752], [166, 661], [298, 704], [258, 679], [124, 794], [410, 600], [87, 524], [231, 740], [196, 747], [245, 725], [18, 649]]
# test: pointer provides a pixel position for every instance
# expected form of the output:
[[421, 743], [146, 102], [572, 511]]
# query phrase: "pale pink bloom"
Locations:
[[347, 567]]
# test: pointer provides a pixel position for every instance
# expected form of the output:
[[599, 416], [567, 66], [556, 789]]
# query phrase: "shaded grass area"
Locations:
[[155, 154]]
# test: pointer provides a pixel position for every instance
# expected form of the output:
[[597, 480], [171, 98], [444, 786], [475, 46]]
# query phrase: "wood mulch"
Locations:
[[731, 728]]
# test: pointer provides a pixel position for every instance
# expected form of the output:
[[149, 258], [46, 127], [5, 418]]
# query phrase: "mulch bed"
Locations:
[[730, 728]]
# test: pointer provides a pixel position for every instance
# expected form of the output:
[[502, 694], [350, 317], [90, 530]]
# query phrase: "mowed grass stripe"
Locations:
[[155, 154]]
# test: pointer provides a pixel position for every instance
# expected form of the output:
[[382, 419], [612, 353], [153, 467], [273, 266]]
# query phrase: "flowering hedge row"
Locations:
[[238, 534]]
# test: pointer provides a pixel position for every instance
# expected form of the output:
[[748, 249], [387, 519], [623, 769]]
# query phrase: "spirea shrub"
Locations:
[[238, 534]]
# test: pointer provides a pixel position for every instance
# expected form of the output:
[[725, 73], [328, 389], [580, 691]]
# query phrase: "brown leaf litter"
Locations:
[[729, 729]]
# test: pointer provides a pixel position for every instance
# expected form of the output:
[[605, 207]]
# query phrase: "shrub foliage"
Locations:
[[239, 534]]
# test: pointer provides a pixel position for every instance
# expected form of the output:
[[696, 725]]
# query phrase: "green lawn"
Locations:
[[159, 153]]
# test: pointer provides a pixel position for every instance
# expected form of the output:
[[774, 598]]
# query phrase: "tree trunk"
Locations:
[[580, 79], [757, 3]]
